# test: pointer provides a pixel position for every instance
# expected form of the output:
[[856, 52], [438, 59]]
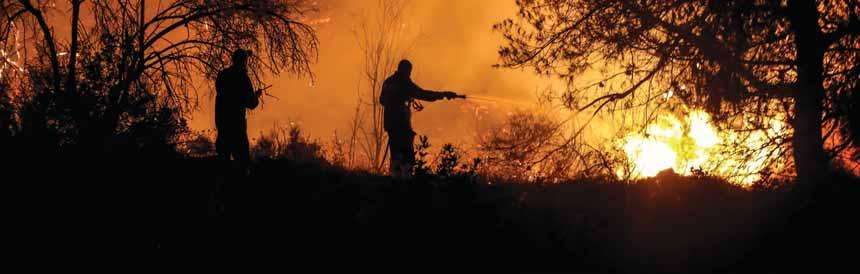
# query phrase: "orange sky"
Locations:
[[455, 50]]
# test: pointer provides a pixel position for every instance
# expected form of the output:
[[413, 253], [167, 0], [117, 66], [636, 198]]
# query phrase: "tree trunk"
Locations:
[[809, 156], [808, 145], [71, 83]]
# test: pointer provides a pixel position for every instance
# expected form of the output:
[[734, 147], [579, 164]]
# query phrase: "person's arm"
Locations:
[[428, 95], [252, 98]]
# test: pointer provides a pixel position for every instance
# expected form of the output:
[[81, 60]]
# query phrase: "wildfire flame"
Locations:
[[693, 143]]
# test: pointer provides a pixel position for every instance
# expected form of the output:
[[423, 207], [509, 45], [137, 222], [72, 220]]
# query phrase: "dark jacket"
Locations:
[[397, 94], [235, 93]]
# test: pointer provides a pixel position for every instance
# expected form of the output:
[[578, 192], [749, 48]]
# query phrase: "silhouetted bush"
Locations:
[[422, 162], [448, 160], [95, 119], [532, 147], [199, 144], [6, 111], [288, 143]]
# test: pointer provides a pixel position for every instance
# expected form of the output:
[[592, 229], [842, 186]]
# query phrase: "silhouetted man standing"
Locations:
[[235, 93], [397, 97]]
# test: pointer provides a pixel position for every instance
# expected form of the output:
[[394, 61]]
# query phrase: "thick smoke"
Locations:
[[454, 50]]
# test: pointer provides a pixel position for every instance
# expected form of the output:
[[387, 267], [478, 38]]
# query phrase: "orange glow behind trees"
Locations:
[[744, 62]]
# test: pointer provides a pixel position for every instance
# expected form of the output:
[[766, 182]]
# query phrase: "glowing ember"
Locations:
[[695, 144]]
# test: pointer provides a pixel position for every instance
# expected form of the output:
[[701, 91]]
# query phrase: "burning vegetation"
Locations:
[[761, 69], [693, 144]]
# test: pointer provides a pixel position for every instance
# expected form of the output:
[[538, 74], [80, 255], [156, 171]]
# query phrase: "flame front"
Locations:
[[695, 144]]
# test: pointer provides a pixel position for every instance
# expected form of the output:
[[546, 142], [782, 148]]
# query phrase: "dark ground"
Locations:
[[330, 218]]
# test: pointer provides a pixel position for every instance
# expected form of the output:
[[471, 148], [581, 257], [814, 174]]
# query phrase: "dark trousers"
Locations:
[[401, 147], [233, 143]]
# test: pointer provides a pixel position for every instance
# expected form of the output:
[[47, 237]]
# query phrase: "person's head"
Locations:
[[404, 68], [240, 58]]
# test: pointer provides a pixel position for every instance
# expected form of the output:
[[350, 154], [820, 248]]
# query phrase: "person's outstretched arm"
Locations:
[[428, 95]]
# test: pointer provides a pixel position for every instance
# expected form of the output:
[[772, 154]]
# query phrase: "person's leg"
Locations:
[[394, 157], [399, 147], [408, 154], [221, 148], [224, 149], [243, 151], [403, 155]]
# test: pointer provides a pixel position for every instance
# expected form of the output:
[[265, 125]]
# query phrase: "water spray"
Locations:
[[495, 100]]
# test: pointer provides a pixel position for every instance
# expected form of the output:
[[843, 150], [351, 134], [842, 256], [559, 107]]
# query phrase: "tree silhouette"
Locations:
[[154, 51], [731, 57]]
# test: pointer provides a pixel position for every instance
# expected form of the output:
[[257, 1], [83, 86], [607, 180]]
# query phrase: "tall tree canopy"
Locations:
[[121, 55], [731, 57]]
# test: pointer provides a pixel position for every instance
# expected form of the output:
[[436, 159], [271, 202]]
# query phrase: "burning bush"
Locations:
[[692, 143]]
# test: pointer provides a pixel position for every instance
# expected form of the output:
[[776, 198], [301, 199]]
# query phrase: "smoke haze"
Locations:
[[454, 49]]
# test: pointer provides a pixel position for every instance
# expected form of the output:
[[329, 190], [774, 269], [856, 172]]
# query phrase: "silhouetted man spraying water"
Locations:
[[235, 94], [398, 97]]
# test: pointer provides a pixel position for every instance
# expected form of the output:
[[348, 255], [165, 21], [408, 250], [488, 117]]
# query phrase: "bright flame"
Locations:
[[639, 150], [695, 144]]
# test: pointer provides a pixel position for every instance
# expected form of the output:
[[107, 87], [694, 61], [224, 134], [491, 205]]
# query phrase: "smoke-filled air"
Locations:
[[583, 136], [451, 44]]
